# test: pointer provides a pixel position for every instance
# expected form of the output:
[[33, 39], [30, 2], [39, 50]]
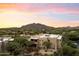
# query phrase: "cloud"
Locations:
[[49, 14], [56, 8]]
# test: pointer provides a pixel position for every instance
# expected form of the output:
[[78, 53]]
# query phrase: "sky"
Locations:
[[50, 14]]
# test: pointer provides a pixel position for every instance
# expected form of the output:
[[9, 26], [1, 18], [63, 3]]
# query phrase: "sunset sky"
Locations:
[[55, 15]]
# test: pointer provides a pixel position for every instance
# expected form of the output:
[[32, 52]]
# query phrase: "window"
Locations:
[[34, 40], [31, 39]]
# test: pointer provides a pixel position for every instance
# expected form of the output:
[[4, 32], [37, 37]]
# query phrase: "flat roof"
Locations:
[[46, 36]]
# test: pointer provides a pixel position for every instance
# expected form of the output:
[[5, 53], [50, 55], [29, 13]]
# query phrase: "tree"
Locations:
[[17, 46], [69, 39], [12, 47], [20, 46], [68, 48], [69, 51], [73, 35], [21, 40], [47, 44]]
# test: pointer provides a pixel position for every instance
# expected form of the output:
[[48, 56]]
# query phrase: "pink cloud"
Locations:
[[49, 7], [40, 8], [59, 9]]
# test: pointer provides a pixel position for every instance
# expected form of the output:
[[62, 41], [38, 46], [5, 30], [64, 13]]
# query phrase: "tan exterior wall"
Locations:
[[56, 44]]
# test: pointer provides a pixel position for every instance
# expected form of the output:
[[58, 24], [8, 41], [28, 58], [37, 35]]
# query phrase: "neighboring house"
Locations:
[[55, 41], [3, 41]]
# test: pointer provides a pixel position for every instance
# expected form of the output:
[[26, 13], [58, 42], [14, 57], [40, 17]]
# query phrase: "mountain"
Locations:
[[36, 26], [70, 28]]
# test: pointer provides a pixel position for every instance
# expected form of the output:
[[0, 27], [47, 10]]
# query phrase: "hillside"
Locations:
[[36, 26]]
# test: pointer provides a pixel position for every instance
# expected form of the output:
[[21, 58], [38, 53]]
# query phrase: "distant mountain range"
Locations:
[[42, 26], [38, 26]]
